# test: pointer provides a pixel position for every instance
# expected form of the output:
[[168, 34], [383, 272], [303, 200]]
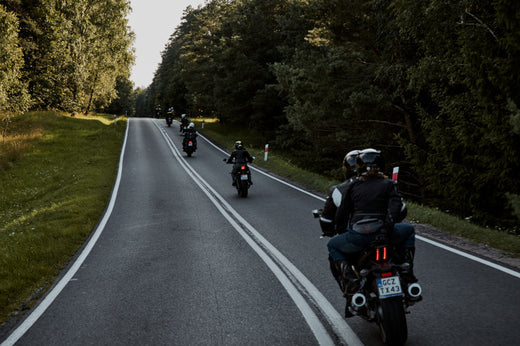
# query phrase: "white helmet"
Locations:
[[183, 115], [191, 125]]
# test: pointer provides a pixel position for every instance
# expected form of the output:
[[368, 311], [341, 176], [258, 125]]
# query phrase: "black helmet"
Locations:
[[238, 145], [370, 160], [349, 163]]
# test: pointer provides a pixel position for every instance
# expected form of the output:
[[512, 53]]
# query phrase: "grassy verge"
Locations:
[[55, 185], [226, 136]]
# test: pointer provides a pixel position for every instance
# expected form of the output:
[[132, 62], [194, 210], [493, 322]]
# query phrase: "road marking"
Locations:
[[294, 282], [432, 242], [56, 290]]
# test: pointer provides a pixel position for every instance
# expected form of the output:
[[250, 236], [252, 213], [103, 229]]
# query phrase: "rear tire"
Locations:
[[242, 191], [392, 321]]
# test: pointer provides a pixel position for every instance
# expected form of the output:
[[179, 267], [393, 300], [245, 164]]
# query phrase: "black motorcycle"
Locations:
[[189, 146], [382, 296], [242, 179], [169, 120]]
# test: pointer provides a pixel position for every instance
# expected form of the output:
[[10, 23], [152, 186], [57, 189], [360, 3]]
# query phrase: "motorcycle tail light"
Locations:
[[190, 142], [381, 254], [243, 167], [386, 275]]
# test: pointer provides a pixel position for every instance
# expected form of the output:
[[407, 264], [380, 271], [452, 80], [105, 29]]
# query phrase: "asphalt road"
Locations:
[[180, 259]]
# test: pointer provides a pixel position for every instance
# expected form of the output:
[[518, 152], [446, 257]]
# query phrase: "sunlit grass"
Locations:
[[51, 197]]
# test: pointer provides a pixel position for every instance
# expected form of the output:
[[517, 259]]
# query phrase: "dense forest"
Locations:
[[69, 55], [434, 84]]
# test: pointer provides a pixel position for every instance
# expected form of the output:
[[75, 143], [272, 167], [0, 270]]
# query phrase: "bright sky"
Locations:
[[153, 21]]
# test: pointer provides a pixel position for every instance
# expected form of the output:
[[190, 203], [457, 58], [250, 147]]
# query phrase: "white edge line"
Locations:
[[56, 290], [432, 242], [337, 322], [471, 257], [313, 321]]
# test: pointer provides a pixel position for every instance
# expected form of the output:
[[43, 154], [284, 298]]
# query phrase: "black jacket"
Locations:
[[357, 199], [240, 156]]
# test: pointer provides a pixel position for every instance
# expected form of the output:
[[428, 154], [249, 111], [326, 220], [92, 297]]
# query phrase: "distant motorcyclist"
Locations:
[[370, 196], [184, 122], [190, 134], [239, 156]]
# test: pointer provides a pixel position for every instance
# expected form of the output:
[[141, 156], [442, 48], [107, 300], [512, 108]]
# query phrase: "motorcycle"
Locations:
[[189, 146], [169, 120], [382, 296], [242, 179]]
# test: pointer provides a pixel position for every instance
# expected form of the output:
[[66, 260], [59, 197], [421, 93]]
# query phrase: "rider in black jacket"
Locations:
[[239, 156], [190, 134], [369, 196]]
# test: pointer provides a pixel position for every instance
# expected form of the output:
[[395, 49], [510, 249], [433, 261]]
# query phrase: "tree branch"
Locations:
[[481, 24]]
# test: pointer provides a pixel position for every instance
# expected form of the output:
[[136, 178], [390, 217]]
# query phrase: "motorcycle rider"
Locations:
[[190, 134], [184, 122], [332, 220], [371, 196], [240, 156]]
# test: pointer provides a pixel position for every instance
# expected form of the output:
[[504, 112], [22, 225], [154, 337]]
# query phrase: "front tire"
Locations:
[[392, 321]]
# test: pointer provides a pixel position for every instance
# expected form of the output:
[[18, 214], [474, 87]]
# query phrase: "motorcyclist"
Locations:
[[371, 196], [332, 220], [184, 121], [190, 134], [239, 156]]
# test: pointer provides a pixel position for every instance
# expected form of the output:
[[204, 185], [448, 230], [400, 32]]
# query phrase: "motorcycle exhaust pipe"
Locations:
[[414, 291], [358, 301]]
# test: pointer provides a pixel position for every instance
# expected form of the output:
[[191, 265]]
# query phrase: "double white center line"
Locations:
[[300, 289]]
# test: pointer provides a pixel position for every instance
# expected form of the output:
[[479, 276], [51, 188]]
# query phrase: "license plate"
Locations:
[[389, 287], [243, 177], [190, 144]]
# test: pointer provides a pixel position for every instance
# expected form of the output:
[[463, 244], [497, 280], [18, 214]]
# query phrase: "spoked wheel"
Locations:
[[392, 321]]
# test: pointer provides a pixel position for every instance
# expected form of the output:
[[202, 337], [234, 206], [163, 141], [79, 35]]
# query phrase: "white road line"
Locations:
[[268, 253], [56, 290], [432, 242]]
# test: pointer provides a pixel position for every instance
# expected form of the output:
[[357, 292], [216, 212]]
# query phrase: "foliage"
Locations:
[[73, 51], [431, 83]]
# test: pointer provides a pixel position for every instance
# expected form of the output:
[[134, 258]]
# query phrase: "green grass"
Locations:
[[278, 163], [57, 174], [52, 195]]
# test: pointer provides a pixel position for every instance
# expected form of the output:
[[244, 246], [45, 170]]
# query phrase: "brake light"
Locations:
[[386, 275], [243, 167], [190, 142], [381, 254]]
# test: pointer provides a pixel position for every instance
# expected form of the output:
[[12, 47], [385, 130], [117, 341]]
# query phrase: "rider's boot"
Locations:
[[347, 280], [408, 275]]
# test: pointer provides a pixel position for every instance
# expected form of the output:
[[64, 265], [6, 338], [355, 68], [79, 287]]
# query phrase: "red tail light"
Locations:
[[243, 167], [386, 275], [190, 142], [381, 254]]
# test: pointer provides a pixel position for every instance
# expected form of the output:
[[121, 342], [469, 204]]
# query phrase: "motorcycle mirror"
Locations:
[[317, 212], [253, 157]]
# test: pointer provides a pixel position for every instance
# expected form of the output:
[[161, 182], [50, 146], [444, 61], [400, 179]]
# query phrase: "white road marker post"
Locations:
[[266, 151]]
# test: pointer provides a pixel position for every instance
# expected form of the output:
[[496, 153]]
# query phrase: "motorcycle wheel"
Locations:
[[391, 319], [242, 188]]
